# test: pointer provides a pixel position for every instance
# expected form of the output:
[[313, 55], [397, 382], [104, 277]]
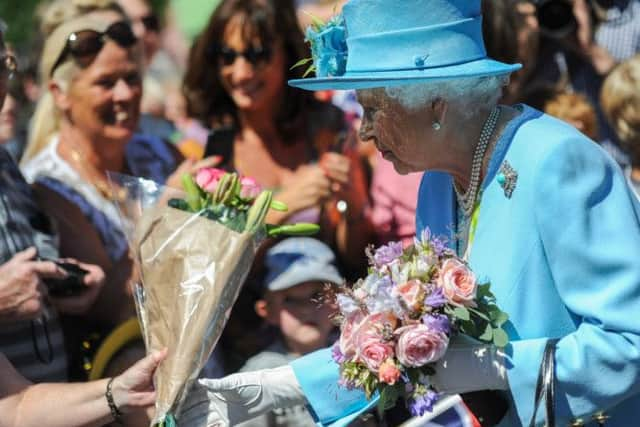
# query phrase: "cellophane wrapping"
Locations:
[[191, 269]]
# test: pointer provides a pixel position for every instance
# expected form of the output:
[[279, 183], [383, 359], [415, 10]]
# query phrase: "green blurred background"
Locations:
[[21, 16]]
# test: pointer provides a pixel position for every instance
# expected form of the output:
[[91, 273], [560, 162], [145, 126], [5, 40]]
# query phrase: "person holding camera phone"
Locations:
[[30, 335]]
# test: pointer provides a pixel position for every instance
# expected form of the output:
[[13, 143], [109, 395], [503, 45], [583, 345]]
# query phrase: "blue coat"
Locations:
[[562, 258]]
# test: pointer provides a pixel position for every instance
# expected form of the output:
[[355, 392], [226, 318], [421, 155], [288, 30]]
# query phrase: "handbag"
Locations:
[[546, 385]]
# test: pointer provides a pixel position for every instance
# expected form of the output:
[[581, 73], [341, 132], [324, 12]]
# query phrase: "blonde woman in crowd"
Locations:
[[620, 101], [84, 126]]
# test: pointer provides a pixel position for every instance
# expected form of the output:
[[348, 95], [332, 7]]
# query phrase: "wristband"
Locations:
[[115, 412]]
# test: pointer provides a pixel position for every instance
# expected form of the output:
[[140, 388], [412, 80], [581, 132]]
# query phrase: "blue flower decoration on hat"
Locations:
[[328, 46]]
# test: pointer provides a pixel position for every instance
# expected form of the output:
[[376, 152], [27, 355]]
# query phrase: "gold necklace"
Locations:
[[106, 190]]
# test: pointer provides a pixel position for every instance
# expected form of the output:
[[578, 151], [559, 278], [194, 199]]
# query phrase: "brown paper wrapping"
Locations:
[[192, 269]]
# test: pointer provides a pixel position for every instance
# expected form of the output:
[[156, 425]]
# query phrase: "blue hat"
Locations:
[[297, 260], [380, 43]]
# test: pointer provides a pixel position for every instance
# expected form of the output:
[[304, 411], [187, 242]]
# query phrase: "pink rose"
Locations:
[[346, 342], [249, 188], [208, 178], [371, 346], [373, 350], [419, 345], [458, 283], [388, 372], [412, 293]]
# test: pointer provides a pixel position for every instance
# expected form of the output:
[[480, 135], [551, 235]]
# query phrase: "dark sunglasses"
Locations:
[[256, 56], [151, 22], [84, 45], [8, 65]]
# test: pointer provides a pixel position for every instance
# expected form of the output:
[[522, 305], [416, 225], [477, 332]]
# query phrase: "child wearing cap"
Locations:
[[297, 270]]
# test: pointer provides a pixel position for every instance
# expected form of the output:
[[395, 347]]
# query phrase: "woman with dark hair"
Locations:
[[283, 137], [512, 34]]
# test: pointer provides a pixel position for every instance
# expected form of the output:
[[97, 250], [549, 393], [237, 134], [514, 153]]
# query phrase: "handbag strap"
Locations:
[[545, 385]]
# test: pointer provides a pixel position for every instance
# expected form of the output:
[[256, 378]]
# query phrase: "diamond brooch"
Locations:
[[507, 178]]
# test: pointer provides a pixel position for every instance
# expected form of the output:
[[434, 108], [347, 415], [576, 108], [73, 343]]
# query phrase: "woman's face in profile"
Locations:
[[402, 136], [253, 74], [104, 98]]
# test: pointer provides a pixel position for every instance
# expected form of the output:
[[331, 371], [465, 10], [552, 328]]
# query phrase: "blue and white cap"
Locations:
[[298, 260]]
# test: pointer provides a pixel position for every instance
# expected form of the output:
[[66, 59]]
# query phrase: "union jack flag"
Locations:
[[449, 411]]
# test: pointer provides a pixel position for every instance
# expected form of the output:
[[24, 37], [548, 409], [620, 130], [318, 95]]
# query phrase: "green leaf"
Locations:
[[279, 206], [499, 318], [300, 63], [480, 314], [484, 290], [309, 71], [487, 335], [301, 229], [500, 338], [388, 397], [468, 327], [461, 313], [193, 192], [316, 22]]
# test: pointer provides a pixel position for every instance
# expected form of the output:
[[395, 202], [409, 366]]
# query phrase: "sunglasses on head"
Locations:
[[8, 65], [84, 45], [254, 55]]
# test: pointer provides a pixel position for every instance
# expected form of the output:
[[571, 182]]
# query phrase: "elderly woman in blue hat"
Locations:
[[534, 206]]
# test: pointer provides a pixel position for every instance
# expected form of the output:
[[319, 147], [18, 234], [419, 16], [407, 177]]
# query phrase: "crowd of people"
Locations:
[[117, 87]]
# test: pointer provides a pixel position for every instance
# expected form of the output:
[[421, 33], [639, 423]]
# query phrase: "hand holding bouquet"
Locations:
[[397, 322]]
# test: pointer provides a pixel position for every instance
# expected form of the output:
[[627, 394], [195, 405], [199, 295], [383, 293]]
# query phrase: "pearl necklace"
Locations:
[[467, 201]]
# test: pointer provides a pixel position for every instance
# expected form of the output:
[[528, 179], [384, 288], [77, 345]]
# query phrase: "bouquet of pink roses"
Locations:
[[396, 323]]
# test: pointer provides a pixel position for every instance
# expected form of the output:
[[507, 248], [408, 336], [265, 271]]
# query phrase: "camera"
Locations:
[[556, 18], [72, 285]]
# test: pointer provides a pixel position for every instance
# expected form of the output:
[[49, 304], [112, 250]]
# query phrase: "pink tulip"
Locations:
[[250, 188], [208, 178]]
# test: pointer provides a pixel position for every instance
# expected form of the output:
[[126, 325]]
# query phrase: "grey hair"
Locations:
[[3, 26], [474, 91]]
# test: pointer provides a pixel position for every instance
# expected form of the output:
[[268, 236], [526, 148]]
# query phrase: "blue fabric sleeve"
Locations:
[[330, 404], [589, 227], [150, 157]]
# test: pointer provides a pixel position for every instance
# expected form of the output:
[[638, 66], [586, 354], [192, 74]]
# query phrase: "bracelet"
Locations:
[[115, 412]]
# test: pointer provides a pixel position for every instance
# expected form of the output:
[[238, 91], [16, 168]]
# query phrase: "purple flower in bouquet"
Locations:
[[386, 254], [436, 298], [437, 322], [439, 246], [381, 296], [347, 305], [422, 401], [435, 244], [336, 354]]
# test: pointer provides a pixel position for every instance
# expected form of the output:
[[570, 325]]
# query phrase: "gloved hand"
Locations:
[[239, 397], [470, 365]]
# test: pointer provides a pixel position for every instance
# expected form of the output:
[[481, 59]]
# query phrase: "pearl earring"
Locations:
[[436, 125]]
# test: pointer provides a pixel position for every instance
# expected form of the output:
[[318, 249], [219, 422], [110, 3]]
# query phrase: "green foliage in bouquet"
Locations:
[[241, 207]]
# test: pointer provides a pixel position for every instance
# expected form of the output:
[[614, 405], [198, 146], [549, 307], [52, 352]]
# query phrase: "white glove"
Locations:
[[239, 397], [469, 365]]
